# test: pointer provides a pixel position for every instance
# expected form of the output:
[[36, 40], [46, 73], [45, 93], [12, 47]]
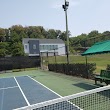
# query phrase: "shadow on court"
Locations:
[[86, 86]]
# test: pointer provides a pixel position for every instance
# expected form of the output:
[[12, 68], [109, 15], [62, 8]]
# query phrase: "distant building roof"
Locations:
[[45, 41]]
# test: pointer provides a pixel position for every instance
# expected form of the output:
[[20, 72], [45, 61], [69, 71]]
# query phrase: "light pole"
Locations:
[[65, 7]]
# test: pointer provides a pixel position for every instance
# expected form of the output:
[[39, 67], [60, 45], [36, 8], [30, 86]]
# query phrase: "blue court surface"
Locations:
[[16, 92]]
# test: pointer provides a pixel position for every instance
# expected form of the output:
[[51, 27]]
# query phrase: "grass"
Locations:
[[63, 84], [60, 83], [101, 60]]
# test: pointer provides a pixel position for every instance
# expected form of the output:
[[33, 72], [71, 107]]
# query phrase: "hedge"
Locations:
[[76, 69], [108, 67]]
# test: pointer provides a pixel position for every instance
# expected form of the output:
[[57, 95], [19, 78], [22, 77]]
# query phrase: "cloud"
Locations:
[[58, 4], [74, 3]]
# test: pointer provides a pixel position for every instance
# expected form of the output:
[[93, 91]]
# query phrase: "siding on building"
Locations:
[[51, 46]]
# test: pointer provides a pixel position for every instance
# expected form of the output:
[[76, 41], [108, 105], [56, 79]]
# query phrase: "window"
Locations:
[[45, 47], [34, 46], [48, 47], [41, 47], [52, 47], [56, 47], [25, 46]]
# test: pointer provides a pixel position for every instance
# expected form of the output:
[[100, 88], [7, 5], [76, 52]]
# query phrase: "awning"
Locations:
[[98, 48]]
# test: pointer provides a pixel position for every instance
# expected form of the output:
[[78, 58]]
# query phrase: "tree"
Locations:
[[52, 34], [4, 48], [22, 35], [2, 35], [63, 36], [15, 37], [17, 28], [105, 35], [94, 33], [17, 49]]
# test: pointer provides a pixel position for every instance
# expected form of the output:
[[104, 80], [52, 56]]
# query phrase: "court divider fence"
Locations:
[[19, 62]]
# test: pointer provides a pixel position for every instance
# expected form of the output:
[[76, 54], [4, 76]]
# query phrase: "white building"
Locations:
[[35, 47]]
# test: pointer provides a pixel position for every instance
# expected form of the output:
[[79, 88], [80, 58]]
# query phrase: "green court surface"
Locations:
[[60, 83]]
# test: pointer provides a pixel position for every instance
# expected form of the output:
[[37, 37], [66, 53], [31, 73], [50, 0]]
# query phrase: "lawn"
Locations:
[[101, 60]]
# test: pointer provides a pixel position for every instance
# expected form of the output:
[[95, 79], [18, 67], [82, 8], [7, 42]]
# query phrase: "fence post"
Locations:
[[55, 61], [47, 58], [67, 55], [55, 57], [87, 68], [41, 60]]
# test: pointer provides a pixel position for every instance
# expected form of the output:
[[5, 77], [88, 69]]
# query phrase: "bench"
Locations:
[[103, 77]]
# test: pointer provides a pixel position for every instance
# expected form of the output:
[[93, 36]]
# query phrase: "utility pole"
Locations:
[[65, 7]]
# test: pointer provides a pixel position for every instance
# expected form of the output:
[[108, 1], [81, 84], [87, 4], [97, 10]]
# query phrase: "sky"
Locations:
[[84, 16]]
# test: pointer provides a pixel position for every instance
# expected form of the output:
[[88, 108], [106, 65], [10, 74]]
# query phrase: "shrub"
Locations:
[[76, 69], [108, 67]]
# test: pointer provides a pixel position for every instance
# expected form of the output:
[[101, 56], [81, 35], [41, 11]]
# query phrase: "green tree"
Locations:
[[4, 48], [17, 28], [2, 35], [14, 37], [94, 33], [105, 35], [22, 35], [63, 36], [17, 49], [51, 34]]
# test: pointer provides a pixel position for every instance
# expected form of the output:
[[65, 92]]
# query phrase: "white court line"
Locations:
[[46, 87], [2, 98], [22, 92], [52, 91], [33, 105], [9, 87], [11, 77]]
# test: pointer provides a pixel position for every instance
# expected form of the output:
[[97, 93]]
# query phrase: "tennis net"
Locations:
[[95, 99]]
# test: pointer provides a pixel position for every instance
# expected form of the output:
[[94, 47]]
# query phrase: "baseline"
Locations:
[[8, 88]]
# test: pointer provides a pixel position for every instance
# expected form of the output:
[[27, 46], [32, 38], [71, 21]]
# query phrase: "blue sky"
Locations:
[[83, 15]]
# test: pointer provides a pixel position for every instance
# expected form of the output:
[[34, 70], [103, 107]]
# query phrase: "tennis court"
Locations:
[[96, 99], [16, 92], [25, 93]]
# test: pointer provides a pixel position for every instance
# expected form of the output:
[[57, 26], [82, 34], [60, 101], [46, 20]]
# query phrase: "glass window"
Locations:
[[41, 47], [56, 47], [25, 46], [44, 47], [52, 47], [49, 47]]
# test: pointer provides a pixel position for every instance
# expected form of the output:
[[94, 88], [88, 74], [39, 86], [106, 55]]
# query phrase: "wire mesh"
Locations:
[[96, 99]]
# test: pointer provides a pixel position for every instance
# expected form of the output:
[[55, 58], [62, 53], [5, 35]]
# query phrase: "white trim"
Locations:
[[34, 54], [22, 92], [45, 86], [2, 99], [8, 88]]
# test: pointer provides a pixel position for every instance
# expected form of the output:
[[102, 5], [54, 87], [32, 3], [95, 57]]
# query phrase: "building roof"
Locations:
[[98, 48], [45, 41]]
